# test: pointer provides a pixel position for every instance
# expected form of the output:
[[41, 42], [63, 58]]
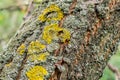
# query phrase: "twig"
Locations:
[[115, 71], [13, 7], [29, 10]]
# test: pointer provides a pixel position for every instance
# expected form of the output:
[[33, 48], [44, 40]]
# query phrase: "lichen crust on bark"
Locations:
[[63, 40]]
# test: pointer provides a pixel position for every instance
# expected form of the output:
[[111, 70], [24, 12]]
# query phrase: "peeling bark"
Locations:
[[95, 33]]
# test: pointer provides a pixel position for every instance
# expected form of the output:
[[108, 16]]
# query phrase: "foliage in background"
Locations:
[[115, 61], [10, 20]]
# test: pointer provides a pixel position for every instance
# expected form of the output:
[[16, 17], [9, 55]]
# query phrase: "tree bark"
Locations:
[[94, 28]]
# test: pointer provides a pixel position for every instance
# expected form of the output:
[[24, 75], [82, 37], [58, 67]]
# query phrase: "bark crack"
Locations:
[[71, 8], [57, 74], [22, 65]]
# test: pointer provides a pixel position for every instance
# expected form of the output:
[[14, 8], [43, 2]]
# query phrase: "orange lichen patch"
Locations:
[[40, 57], [35, 47], [54, 31], [21, 49], [36, 73], [51, 9]]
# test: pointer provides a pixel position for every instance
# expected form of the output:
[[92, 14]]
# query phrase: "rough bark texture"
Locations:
[[95, 33]]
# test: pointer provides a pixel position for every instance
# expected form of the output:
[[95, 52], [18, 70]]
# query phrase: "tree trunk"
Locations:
[[63, 40]]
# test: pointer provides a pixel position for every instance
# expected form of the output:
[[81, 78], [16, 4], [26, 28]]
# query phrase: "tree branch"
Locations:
[[13, 7], [115, 70], [29, 10]]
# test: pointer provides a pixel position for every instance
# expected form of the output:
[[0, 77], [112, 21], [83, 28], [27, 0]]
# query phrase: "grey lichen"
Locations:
[[93, 40]]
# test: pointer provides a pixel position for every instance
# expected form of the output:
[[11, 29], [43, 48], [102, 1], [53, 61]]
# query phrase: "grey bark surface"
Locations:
[[95, 33]]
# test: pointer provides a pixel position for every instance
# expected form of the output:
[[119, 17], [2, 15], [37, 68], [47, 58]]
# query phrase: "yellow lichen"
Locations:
[[36, 73], [52, 8], [54, 31], [21, 49], [35, 47], [41, 57], [50, 32], [9, 64], [64, 35]]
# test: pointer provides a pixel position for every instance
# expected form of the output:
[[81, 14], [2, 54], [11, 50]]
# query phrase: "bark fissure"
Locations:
[[22, 65], [71, 8], [63, 45]]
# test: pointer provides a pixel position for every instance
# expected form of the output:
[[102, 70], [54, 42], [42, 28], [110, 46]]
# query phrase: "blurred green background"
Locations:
[[11, 17]]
